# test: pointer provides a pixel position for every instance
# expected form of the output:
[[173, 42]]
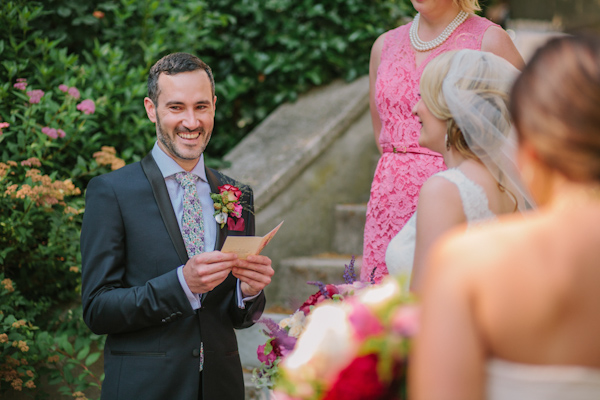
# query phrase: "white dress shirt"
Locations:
[[168, 167]]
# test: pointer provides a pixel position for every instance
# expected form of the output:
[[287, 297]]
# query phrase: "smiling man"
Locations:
[[153, 278]]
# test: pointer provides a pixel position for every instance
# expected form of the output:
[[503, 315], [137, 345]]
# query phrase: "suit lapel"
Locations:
[[157, 182], [215, 182]]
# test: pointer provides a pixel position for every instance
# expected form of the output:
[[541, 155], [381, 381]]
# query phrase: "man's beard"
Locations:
[[168, 142]]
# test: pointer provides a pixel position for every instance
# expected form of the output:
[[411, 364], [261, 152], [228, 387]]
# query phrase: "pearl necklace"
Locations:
[[420, 45]]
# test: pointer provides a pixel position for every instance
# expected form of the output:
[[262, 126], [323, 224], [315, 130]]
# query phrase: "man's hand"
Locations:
[[205, 271], [254, 274]]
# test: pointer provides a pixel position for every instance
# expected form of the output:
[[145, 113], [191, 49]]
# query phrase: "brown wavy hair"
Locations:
[[555, 104]]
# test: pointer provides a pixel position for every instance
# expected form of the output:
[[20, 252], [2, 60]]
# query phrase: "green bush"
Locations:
[[262, 54]]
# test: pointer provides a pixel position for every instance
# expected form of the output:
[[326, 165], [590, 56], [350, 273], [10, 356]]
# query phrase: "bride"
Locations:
[[512, 311], [464, 115]]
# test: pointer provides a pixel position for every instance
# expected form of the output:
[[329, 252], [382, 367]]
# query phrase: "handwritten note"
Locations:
[[244, 246]]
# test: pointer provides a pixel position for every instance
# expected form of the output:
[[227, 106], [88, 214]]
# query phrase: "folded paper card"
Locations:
[[244, 246]]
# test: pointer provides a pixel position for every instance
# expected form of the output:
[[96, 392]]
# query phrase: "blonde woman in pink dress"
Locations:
[[397, 61]]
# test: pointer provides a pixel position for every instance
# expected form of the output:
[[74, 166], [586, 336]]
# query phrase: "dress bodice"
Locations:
[[398, 77], [400, 253], [513, 381]]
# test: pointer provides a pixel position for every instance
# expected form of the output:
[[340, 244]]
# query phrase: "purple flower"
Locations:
[[74, 92], [21, 84], [63, 88], [35, 96], [50, 132], [349, 274], [87, 106]]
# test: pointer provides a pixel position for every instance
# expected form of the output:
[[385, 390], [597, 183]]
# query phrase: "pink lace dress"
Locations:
[[404, 165]]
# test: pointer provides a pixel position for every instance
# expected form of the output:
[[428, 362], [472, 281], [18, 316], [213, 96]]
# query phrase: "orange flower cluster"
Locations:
[[19, 323], [4, 167], [8, 285], [8, 373], [46, 192], [107, 156], [79, 396], [22, 345]]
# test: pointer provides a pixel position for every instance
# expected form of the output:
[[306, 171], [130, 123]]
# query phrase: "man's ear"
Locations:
[[150, 109], [215, 103]]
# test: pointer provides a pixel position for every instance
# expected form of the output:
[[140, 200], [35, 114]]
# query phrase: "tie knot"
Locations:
[[186, 179]]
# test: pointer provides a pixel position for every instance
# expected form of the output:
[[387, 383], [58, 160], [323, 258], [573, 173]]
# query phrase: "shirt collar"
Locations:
[[169, 167]]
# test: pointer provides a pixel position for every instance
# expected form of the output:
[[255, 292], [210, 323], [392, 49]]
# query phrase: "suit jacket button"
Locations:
[[173, 315], [179, 313], [164, 321], [168, 319], [196, 352]]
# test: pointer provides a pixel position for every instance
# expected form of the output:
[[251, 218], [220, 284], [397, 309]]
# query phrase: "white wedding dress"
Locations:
[[400, 253], [513, 381]]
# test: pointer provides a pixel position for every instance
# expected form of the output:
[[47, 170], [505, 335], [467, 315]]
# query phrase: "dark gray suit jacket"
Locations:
[[131, 247]]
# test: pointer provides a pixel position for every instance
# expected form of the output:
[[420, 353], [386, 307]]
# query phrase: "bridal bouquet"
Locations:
[[282, 337], [352, 350]]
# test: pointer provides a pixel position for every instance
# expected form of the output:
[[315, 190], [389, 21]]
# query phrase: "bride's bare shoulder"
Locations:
[[491, 245]]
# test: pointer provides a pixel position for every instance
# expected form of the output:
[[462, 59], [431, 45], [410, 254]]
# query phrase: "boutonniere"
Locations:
[[228, 207]]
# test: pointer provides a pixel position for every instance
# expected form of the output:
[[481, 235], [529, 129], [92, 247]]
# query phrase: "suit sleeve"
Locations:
[[110, 303]]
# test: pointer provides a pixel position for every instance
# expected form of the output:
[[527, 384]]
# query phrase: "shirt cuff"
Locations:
[[194, 298], [242, 301]]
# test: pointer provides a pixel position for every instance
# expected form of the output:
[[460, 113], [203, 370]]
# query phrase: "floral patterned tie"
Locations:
[[192, 223]]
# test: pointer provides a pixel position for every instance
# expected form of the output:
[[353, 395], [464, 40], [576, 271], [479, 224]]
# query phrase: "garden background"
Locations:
[[72, 83]]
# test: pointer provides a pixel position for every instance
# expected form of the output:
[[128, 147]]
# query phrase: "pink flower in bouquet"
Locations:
[[405, 321], [317, 298], [365, 323], [61, 133], [87, 106], [267, 358], [63, 88], [358, 381]]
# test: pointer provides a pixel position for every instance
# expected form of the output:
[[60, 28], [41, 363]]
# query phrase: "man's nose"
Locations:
[[190, 121]]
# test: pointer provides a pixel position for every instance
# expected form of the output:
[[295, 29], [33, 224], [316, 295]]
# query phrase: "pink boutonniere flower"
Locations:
[[228, 207]]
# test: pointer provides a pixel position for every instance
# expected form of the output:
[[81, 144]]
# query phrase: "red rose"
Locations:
[[317, 298], [358, 381]]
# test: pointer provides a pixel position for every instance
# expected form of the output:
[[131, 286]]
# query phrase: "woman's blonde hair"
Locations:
[[469, 6], [481, 80]]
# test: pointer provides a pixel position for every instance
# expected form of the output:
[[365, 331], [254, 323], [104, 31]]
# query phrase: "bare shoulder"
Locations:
[[493, 245], [497, 41], [440, 190], [377, 47]]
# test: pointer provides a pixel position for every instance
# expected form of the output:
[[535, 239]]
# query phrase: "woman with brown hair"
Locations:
[[512, 311], [398, 58]]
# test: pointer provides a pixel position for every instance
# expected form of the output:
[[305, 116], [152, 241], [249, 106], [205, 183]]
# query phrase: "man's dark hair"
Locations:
[[173, 64]]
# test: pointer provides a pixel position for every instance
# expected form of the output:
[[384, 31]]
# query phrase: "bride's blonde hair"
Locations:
[[481, 81]]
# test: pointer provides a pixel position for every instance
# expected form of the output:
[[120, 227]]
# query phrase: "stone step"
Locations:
[[327, 268], [349, 228]]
